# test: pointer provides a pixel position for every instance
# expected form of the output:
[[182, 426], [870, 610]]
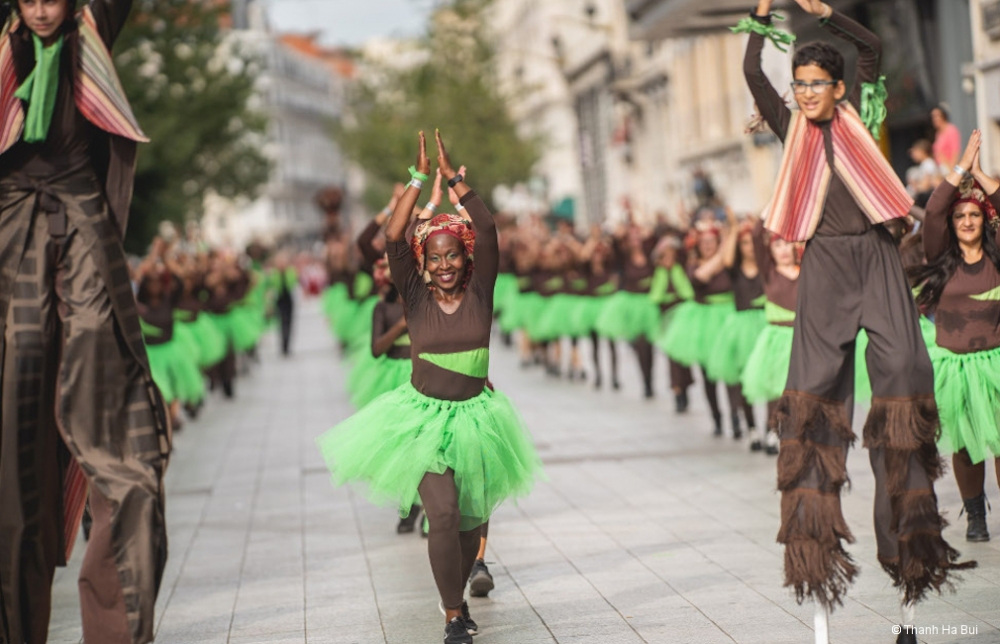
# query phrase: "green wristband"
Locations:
[[414, 174]]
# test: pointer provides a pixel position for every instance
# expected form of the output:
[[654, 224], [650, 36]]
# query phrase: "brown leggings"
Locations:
[[452, 553], [971, 477]]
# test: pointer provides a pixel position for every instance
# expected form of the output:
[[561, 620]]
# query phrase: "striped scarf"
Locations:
[[97, 90], [800, 194]]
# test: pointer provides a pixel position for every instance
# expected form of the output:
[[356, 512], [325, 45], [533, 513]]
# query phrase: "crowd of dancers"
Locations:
[[203, 311]]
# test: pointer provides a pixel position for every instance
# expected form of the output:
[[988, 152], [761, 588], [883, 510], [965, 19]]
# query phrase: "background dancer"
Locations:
[[740, 332], [961, 283], [670, 288], [94, 417], [835, 189], [766, 370], [694, 331]]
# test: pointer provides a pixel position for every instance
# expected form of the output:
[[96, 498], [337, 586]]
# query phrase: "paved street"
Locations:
[[647, 530]]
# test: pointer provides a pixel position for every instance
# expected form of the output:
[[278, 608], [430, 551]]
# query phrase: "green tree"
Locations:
[[191, 88], [450, 84]]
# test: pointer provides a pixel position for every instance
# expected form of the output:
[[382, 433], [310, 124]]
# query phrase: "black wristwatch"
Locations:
[[454, 181]]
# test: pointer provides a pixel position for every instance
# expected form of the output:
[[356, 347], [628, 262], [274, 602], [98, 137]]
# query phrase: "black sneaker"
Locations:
[[480, 581], [470, 625], [408, 524], [771, 443], [456, 632]]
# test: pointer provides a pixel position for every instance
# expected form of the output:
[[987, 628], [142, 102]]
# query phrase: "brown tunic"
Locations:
[[73, 142], [841, 214], [964, 323], [432, 331]]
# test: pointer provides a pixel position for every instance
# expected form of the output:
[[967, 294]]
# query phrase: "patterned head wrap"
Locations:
[[444, 224], [974, 193]]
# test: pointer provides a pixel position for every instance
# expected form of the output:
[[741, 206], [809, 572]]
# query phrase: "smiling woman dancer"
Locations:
[[446, 435], [962, 283], [836, 189]]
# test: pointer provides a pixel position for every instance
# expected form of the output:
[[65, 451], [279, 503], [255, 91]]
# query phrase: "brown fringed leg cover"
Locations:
[[901, 435], [812, 468]]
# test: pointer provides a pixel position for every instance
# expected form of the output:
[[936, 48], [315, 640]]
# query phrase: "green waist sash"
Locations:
[[474, 363], [777, 314]]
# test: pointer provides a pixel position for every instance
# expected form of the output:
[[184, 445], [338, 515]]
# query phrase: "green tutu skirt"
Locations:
[[353, 323], [694, 331], [371, 377], [967, 390], [332, 300], [505, 285], [586, 313], [929, 331], [210, 344], [521, 310], [175, 372], [396, 439], [558, 319], [766, 371], [627, 316], [734, 345]]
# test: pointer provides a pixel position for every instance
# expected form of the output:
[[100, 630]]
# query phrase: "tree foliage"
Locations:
[[191, 88], [447, 81]]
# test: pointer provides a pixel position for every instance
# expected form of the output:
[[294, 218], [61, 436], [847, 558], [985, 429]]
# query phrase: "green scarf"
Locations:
[[39, 90]]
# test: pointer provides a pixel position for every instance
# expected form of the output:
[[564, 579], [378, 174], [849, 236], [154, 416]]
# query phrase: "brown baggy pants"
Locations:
[[850, 283], [75, 390]]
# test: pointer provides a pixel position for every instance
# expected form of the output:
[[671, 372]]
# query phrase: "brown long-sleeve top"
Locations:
[[71, 137], [841, 214], [779, 289], [435, 336], [746, 290], [968, 314], [384, 317], [721, 283]]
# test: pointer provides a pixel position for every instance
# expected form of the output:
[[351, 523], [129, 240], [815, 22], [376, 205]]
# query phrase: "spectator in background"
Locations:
[[925, 175], [947, 140]]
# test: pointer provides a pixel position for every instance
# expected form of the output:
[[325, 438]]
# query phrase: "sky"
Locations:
[[350, 22]]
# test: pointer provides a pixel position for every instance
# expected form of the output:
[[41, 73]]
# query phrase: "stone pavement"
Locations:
[[648, 529]]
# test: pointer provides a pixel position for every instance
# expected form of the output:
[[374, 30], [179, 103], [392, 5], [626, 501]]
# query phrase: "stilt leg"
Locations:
[[821, 624]]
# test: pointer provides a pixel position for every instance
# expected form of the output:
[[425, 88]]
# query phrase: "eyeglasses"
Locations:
[[817, 87]]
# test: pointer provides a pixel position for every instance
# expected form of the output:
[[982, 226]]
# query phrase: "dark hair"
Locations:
[[823, 55], [932, 278], [944, 112]]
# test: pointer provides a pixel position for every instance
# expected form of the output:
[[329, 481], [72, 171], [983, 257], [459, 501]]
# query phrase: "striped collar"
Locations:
[[97, 89]]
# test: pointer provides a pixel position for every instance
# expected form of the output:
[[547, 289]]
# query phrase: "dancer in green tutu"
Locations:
[[172, 363], [446, 436], [630, 314], [696, 326], [961, 282], [766, 370], [739, 334], [597, 256], [671, 288]]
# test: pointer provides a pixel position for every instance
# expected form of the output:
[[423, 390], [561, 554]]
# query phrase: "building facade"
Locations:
[[985, 73], [301, 90]]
